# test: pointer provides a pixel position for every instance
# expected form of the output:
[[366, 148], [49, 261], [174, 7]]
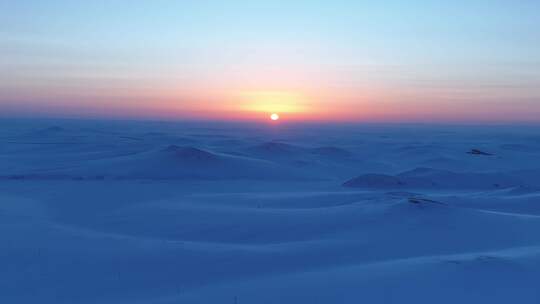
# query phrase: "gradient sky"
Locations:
[[462, 61]]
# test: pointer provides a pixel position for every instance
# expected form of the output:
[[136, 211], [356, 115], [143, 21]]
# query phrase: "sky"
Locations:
[[307, 60]]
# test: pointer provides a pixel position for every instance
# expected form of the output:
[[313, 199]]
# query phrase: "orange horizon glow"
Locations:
[[369, 105]]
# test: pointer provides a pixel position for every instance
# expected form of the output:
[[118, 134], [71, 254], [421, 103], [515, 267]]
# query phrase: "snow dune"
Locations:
[[143, 213], [444, 179]]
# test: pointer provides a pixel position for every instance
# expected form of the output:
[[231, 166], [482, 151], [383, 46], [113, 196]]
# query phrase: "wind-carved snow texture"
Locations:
[[125, 212]]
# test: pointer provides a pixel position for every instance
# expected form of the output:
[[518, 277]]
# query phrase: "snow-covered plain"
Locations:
[[155, 212]]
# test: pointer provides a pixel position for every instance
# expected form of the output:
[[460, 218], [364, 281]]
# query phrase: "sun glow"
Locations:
[[274, 116], [273, 102]]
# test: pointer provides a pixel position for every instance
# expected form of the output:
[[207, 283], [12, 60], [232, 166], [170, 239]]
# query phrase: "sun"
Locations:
[[274, 116]]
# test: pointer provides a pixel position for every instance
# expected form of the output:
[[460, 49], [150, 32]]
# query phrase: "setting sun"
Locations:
[[274, 116]]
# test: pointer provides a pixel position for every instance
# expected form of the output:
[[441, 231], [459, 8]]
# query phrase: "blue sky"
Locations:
[[384, 60]]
